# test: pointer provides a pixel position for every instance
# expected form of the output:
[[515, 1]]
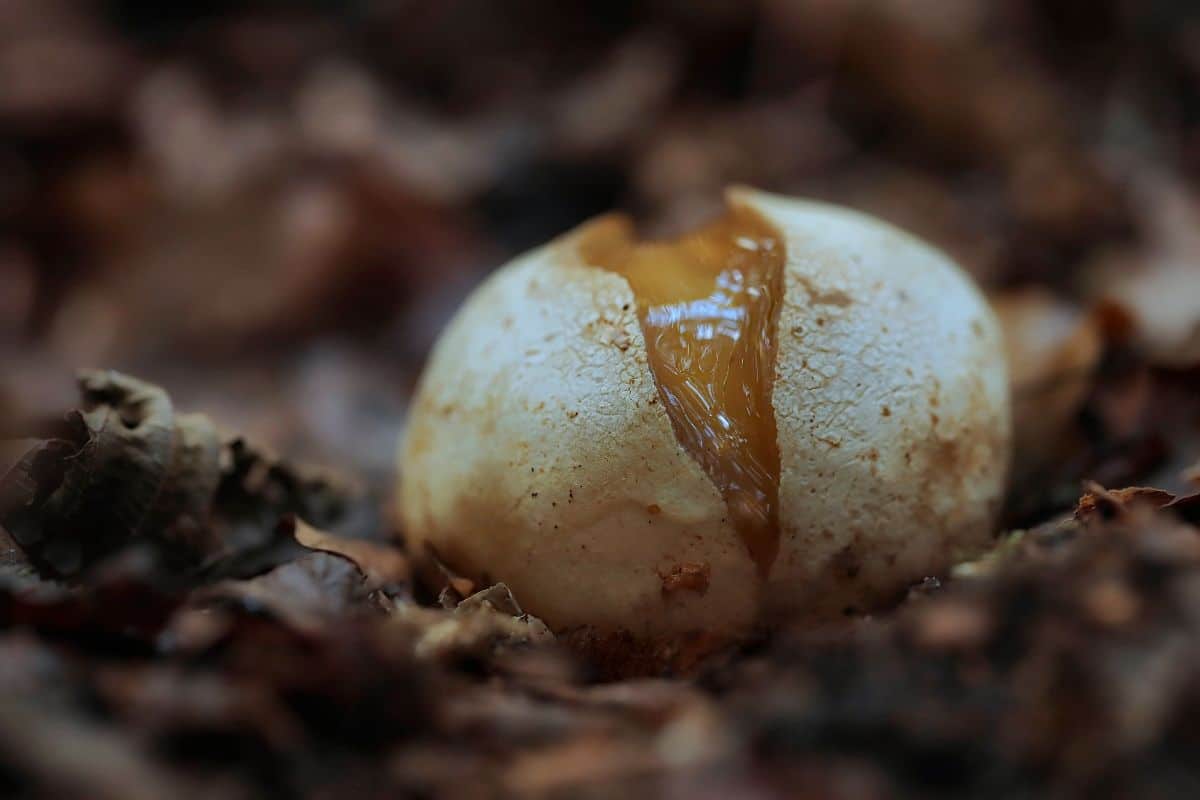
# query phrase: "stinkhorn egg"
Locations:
[[792, 413]]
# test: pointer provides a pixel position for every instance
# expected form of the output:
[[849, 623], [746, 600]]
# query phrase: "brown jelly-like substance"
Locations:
[[708, 305]]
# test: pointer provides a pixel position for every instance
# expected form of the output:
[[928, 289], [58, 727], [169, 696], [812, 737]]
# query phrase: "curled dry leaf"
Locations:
[[124, 467], [1096, 507], [127, 468], [125, 602], [1098, 503], [339, 578], [451, 587], [318, 592], [328, 577], [483, 623], [382, 565], [308, 593], [257, 495]]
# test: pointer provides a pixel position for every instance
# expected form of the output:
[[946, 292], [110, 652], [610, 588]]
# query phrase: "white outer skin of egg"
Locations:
[[537, 448]]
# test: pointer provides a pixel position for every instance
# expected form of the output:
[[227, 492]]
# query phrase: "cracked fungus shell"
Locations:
[[795, 411]]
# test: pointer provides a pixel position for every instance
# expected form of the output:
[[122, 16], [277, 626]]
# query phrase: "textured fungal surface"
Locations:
[[804, 405]]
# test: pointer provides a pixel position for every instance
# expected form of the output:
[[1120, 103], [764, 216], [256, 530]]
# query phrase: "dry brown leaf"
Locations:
[[125, 467], [483, 623], [1098, 503], [381, 564], [309, 593]]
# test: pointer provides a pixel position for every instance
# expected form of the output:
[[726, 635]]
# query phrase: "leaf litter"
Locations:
[[272, 213]]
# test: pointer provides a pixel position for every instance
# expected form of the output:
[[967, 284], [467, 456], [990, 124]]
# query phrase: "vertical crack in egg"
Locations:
[[708, 305]]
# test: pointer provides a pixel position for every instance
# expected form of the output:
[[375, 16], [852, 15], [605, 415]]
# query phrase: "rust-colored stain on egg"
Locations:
[[689, 577]]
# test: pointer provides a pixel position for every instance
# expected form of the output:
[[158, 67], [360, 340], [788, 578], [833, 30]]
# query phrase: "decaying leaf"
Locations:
[[126, 467], [451, 587], [125, 602], [257, 497], [337, 578], [382, 565], [486, 621], [1099, 503], [326, 577], [308, 593]]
